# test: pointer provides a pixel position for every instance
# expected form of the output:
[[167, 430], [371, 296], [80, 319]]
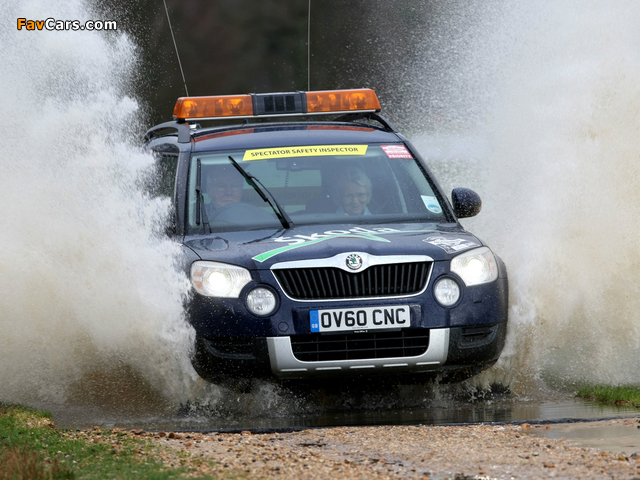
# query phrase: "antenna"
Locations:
[[176, 46], [309, 49]]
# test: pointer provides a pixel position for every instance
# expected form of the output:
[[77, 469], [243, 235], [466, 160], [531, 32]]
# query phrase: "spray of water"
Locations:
[[91, 322], [549, 92], [91, 306], [88, 292]]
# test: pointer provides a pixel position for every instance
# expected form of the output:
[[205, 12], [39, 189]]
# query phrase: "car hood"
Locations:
[[260, 249]]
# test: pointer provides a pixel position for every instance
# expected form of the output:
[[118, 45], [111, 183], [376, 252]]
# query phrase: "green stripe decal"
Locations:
[[369, 236]]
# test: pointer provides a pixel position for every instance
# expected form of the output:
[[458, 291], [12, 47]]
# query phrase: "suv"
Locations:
[[318, 244]]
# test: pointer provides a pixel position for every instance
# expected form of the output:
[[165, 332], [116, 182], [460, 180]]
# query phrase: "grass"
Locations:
[[628, 395], [32, 448]]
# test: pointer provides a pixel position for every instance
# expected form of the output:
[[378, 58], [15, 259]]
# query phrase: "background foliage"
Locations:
[[244, 46]]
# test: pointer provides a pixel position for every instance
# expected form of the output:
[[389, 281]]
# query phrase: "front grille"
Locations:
[[359, 346], [333, 283]]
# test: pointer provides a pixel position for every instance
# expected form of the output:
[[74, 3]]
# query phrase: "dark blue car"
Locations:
[[319, 244]]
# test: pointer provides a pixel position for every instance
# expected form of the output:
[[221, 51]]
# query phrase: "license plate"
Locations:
[[367, 318]]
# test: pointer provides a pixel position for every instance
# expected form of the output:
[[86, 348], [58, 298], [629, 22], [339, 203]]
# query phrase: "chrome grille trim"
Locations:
[[318, 275], [285, 364], [316, 347], [339, 261]]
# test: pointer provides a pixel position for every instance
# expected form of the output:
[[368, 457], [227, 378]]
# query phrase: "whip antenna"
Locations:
[[176, 46], [309, 48]]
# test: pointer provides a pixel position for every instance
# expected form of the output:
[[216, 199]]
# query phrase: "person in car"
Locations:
[[353, 192], [224, 187]]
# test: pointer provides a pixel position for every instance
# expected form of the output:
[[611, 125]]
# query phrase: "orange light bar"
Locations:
[[208, 107], [272, 104], [342, 100]]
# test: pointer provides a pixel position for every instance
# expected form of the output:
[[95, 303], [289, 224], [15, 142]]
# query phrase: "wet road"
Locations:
[[563, 414], [501, 410]]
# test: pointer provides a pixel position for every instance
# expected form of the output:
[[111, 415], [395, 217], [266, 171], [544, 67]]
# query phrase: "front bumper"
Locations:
[[284, 363], [453, 351]]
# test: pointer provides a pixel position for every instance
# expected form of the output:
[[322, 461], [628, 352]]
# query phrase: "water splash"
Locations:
[[91, 308], [92, 323], [550, 92], [88, 292]]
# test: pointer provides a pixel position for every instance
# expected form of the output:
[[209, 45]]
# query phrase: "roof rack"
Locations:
[[183, 130], [351, 117], [186, 130], [350, 105]]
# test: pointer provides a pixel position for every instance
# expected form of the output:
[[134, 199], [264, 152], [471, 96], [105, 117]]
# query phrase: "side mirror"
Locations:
[[466, 202]]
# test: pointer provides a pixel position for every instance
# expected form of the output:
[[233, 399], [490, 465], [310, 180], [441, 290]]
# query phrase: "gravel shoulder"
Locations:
[[433, 452]]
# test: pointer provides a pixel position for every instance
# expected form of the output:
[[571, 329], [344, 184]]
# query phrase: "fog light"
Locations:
[[447, 292], [261, 301]]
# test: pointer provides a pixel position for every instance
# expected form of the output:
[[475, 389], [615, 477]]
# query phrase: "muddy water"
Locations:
[[87, 286], [268, 406], [538, 113], [620, 435], [501, 411]]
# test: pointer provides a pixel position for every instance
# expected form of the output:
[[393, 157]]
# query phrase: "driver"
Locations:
[[224, 187]]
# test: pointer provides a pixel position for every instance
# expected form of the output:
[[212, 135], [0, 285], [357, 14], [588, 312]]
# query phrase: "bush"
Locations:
[[23, 464]]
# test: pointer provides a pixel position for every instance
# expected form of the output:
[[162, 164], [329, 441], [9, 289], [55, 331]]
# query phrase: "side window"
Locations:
[[164, 175]]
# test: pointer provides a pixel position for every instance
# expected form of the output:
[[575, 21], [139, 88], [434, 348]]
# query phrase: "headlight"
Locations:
[[447, 292], [476, 266], [261, 301], [215, 279]]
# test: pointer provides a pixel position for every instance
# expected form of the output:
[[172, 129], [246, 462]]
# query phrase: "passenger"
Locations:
[[224, 187], [353, 192]]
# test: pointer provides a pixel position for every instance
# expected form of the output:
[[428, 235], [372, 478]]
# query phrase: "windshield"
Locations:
[[313, 185]]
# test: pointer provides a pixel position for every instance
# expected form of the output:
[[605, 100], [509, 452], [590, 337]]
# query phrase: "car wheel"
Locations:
[[202, 361]]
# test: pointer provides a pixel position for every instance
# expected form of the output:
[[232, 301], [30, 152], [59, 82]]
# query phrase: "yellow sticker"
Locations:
[[306, 151]]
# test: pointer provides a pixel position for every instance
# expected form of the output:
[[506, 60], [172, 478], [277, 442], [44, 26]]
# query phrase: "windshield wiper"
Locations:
[[200, 201], [257, 185]]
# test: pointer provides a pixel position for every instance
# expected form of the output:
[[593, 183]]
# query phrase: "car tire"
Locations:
[[203, 362]]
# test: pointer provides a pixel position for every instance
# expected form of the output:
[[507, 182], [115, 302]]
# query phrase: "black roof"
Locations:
[[288, 134]]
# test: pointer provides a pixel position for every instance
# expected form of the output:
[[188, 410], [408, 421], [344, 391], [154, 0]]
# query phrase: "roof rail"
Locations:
[[369, 116], [183, 129]]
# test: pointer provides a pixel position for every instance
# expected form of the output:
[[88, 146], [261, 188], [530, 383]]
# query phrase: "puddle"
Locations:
[[619, 435], [456, 412], [264, 405]]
